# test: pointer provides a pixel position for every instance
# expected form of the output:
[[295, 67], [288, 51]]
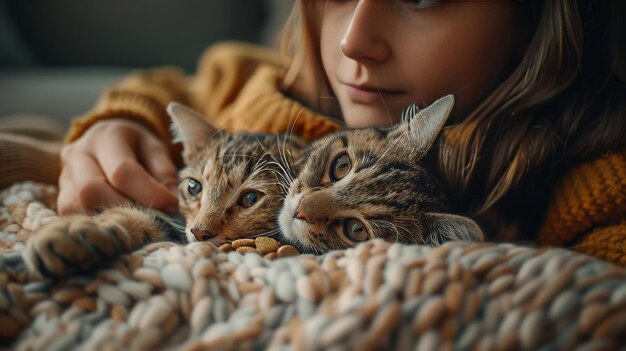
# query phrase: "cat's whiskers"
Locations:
[[261, 165], [578, 246], [337, 244], [282, 175], [284, 187], [286, 165], [382, 225], [281, 179], [217, 132], [307, 246], [281, 172], [236, 155], [261, 145], [409, 112], [269, 233], [293, 124], [282, 151]]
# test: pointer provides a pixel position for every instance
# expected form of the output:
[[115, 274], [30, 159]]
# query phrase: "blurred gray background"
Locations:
[[56, 56]]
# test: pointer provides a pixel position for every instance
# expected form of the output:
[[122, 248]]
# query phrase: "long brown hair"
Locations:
[[564, 102], [305, 76]]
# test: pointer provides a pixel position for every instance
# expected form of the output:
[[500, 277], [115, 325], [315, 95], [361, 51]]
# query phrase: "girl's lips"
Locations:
[[367, 95]]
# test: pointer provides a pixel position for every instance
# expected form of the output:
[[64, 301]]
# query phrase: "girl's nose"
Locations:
[[365, 39]]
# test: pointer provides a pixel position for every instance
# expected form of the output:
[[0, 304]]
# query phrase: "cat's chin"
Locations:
[[296, 230]]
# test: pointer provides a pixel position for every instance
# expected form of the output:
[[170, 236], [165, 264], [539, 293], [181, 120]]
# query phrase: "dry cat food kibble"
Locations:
[[265, 246], [460, 296]]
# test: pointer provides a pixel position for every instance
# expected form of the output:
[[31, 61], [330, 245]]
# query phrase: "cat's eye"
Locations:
[[194, 187], [340, 167], [355, 230], [249, 198]]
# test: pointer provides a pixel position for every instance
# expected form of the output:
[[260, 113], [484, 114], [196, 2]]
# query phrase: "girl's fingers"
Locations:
[[126, 175], [155, 157], [83, 187]]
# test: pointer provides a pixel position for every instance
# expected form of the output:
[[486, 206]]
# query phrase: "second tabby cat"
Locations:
[[231, 187], [369, 183]]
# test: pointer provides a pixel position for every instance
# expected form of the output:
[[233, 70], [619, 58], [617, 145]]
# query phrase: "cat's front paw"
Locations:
[[75, 244]]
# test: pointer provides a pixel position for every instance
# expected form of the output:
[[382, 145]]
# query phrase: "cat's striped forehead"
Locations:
[[239, 153], [219, 175], [386, 173], [364, 145]]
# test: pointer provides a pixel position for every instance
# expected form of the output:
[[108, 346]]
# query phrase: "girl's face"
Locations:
[[382, 55]]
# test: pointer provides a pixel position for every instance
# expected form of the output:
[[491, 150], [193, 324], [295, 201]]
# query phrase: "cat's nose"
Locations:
[[316, 208], [301, 214], [201, 234], [309, 217]]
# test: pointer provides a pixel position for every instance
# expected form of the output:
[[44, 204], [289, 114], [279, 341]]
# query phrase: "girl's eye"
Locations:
[[420, 4], [194, 187], [355, 230], [248, 199], [341, 167]]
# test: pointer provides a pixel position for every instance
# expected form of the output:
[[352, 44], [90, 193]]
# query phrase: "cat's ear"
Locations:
[[424, 126], [189, 128], [443, 227]]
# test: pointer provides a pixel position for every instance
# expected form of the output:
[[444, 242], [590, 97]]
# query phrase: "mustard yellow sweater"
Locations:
[[238, 87]]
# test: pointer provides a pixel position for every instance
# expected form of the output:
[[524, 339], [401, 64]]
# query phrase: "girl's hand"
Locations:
[[113, 161]]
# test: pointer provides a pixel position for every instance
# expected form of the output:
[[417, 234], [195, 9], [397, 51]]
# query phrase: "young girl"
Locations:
[[534, 149]]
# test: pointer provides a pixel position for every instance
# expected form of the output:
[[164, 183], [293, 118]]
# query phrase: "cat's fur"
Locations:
[[227, 167], [385, 192]]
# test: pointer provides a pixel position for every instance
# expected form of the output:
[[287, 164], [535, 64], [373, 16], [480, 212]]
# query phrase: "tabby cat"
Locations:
[[231, 187], [368, 183]]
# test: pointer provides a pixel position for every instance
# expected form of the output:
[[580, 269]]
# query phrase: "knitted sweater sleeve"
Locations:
[[588, 210], [236, 87], [142, 96]]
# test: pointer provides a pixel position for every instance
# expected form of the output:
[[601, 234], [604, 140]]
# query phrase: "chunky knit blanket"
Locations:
[[376, 296]]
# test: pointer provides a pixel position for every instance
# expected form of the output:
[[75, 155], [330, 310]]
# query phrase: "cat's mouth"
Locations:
[[299, 234], [217, 240], [298, 230]]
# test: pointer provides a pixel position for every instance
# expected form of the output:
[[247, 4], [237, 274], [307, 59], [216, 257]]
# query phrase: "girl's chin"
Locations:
[[359, 116]]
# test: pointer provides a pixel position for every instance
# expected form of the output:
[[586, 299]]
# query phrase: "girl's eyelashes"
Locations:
[[415, 4], [193, 187], [420, 4], [340, 167]]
